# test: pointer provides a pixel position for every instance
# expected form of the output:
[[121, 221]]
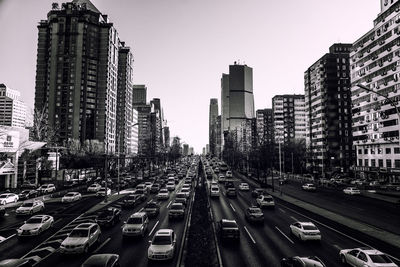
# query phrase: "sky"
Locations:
[[182, 47]]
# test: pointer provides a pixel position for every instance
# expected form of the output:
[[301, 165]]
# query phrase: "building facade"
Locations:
[[212, 125], [139, 94], [77, 73], [134, 134], [328, 113], [12, 109], [374, 64], [265, 126]]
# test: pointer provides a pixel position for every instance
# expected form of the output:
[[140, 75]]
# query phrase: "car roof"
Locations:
[[97, 259], [13, 262], [370, 251], [164, 232], [306, 223], [39, 216], [137, 214], [228, 221], [85, 225]]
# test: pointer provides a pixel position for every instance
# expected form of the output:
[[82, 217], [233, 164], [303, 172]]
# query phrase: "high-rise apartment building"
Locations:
[[143, 128], [134, 133], [139, 94], [77, 73], [265, 126], [124, 98], [328, 112], [375, 64], [12, 109], [167, 138], [225, 102], [212, 127]]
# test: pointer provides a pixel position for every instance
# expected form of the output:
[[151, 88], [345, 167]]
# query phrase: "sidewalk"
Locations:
[[374, 232]]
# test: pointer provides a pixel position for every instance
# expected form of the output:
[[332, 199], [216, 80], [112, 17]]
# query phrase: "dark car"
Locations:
[[254, 214], [155, 188], [109, 216], [131, 201], [152, 209], [228, 229], [229, 184], [28, 185], [257, 192], [142, 194], [102, 260], [311, 261], [27, 194], [231, 192]]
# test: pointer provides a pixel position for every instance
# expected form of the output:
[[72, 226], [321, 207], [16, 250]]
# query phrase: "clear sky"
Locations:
[[182, 47]]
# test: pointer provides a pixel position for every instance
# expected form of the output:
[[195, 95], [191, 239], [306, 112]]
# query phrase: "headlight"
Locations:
[[150, 252], [169, 251]]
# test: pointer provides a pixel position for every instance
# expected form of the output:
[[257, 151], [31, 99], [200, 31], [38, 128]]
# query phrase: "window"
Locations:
[[372, 151], [366, 162], [380, 150], [360, 162], [372, 162], [397, 163], [365, 151], [360, 151], [362, 257], [397, 150], [388, 163], [388, 150], [380, 162]]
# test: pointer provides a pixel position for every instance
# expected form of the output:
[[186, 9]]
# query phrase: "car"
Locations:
[[214, 191], [257, 192], [254, 214], [185, 191], [216, 170], [142, 193], [229, 184], [81, 238], [136, 225], [244, 187], [102, 260], [171, 186], [142, 187], [47, 188], [71, 197], [131, 200], [27, 262], [214, 183], [148, 185], [29, 208], [162, 246], [152, 209], [228, 229], [8, 198], [182, 200], [305, 231], [28, 185], [108, 217], [365, 256], [163, 194], [35, 225], [351, 191], [228, 174], [2, 211], [2, 239], [309, 187], [155, 188], [176, 211], [93, 188], [102, 192], [296, 261], [231, 192], [265, 200], [27, 194]]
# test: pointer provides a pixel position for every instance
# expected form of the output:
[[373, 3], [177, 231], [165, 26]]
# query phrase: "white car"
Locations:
[[309, 187], [30, 207], [8, 198], [163, 194], [102, 192], [305, 231], [214, 191], [265, 201], [137, 224], [162, 247], [365, 257], [81, 238], [228, 174], [214, 183], [47, 188], [186, 191], [94, 188], [221, 178], [351, 191], [170, 186], [35, 225], [310, 261], [244, 187], [71, 197]]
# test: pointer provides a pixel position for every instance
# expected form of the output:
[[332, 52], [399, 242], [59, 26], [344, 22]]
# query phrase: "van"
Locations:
[[214, 191]]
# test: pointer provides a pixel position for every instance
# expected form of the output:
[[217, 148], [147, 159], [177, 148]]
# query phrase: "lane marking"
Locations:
[[57, 221], [102, 245], [247, 231], [284, 234], [232, 207], [9, 237], [169, 204], [154, 227], [337, 247], [337, 231], [281, 210], [141, 209], [294, 218]]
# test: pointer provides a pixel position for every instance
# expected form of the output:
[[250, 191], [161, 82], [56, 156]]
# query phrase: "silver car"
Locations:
[[81, 238], [35, 225], [30, 207]]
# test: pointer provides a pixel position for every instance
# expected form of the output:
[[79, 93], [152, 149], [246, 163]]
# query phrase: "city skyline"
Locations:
[[177, 35]]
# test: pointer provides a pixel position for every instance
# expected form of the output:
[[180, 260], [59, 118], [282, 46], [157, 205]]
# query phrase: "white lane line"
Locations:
[[57, 221], [9, 237], [102, 244], [232, 207], [247, 231], [291, 241], [337, 231], [281, 210], [294, 218], [337, 247], [141, 209], [169, 204], [154, 227]]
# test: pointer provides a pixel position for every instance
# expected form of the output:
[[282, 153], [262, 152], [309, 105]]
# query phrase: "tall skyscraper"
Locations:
[[77, 73], [139, 94], [124, 98], [265, 126], [374, 63], [134, 133], [328, 112], [212, 127], [225, 102], [12, 109], [143, 128]]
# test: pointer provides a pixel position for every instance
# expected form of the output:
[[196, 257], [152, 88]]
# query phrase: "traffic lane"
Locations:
[[356, 207], [243, 253], [16, 248]]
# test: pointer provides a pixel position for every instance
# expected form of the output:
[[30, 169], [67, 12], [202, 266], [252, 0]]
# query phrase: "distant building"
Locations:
[[185, 150], [328, 112], [207, 149], [134, 134], [212, 134], [139, 94], [143, 128], [191, 151], [374, 63], [12, 109], [167, 138], [265, 126]]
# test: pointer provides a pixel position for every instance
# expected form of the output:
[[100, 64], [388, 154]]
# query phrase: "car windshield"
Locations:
[[161, 240], [176, 206], [309, 227], [102, 189], [105, 214], [229, 224], [70, 195], [25, 192], [134, 220], [151, 206], [79, 233], [139, 191], [380, 258], [34, 220], [163, 191], [268, 198], [29, 204], [130, 197], [254, 210], [3, 196]]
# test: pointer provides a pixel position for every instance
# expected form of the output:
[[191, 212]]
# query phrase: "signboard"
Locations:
[[9, 140]]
